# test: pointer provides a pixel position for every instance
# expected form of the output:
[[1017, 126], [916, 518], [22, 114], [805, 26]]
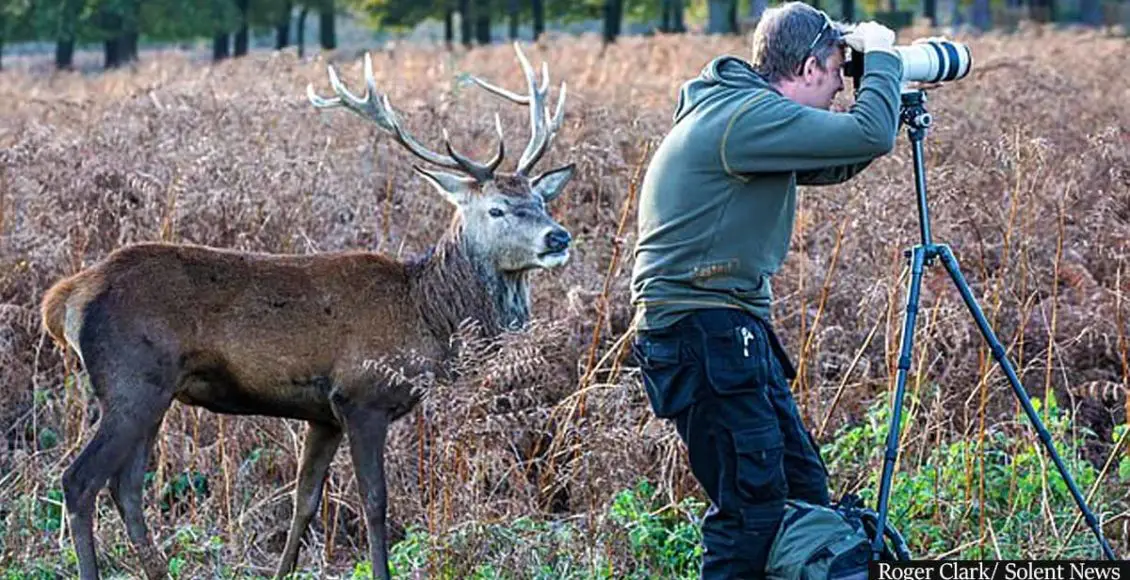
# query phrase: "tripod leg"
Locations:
[[951, 265], [917, 260]]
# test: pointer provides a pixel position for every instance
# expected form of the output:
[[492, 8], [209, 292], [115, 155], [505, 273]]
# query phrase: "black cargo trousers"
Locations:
[[722, 377]]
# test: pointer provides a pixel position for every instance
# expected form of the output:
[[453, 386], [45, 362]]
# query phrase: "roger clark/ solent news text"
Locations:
[[1001, 570]]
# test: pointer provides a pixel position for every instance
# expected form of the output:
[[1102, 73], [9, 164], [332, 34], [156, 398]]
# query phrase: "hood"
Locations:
[[724, 73]]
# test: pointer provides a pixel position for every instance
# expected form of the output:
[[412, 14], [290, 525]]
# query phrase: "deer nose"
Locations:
[[557, 240]]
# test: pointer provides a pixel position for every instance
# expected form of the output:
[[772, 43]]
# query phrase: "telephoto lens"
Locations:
[[929, 60], [934, 60]]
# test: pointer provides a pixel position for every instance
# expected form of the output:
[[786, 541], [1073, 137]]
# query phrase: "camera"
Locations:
[[930, 60]]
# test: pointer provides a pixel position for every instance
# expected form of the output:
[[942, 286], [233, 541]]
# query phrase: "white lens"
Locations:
[[935, 61]]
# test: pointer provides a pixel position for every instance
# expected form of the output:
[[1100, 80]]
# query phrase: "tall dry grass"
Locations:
[[1029, 181]]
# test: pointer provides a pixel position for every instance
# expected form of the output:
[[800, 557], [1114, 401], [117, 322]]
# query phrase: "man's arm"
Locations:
[[771, 133], [831, 175]]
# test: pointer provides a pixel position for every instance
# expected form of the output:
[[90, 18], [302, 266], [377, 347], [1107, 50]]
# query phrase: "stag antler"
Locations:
[[541, 134], [376, 108]]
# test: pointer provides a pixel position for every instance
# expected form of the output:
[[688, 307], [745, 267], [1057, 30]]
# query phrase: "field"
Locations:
[[544, 461]]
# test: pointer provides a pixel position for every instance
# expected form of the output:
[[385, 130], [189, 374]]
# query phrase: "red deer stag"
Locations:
[[295, 336]]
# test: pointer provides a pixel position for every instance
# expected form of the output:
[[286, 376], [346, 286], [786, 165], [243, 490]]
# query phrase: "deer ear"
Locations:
[[455, 188], [551, 183]]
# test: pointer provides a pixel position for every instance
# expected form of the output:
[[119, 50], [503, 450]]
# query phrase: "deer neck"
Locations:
[[452, 284]]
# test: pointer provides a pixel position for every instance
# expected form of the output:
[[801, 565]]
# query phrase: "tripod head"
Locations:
[[913, 112]]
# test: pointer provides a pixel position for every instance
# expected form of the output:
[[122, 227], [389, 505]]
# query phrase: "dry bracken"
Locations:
[[1029, 173]]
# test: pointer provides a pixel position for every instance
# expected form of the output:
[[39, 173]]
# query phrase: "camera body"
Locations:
[[928, 60]]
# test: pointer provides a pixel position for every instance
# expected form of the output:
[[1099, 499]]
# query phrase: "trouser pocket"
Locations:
[[669, 376], [759, 465], [736, 356]]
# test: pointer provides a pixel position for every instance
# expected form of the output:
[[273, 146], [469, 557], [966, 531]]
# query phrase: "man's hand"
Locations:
[[868, 36]]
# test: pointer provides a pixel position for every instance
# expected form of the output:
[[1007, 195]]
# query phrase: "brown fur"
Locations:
[[344, 341], [53, 307], [237, 313]]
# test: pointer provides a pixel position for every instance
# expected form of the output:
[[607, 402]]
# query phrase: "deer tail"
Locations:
[[53, 309]]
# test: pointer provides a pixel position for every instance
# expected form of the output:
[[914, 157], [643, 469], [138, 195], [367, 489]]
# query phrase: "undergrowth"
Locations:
[[544, 459]]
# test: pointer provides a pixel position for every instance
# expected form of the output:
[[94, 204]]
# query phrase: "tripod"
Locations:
[[917, 119]]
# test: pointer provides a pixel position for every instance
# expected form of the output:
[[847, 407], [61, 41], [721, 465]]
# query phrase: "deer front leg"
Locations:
[[322, 441], [368, 430]]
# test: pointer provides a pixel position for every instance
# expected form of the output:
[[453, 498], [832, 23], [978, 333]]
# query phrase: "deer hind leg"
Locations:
[[133, 378], [113, 447], [368, 429], [322, 441], [125, 489], [81, 483]]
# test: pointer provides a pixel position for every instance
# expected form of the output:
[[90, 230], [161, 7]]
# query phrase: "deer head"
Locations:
[[501, 216]]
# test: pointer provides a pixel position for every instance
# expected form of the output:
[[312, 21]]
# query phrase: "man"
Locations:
[[715, 218]]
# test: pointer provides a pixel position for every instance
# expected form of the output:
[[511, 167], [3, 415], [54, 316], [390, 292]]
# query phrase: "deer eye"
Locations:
[[495, 212]]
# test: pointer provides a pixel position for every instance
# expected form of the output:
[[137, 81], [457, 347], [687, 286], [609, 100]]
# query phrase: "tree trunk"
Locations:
[[718, 17], [244, 7], [449, 27], [482, 22], [221, 46], [466, 29], [982, 15], [326, 25], [111, 44], [130, 45], [671, 16], [1043, 11], [538, 7], [282, 29], [131, 31], [1091, 12], [513, 9], [613, 19], [111, 56], [300, 30], [757, 8], [65, 46], [65, 54]]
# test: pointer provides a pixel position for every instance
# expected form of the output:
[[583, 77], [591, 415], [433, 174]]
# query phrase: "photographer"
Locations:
[[715, 218]]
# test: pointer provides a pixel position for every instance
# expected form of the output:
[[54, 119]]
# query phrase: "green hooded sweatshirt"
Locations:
[[716, 207]]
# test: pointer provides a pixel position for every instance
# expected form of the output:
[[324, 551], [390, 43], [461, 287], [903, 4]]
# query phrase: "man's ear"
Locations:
[[455, 188], [810, 68], [550, 184]]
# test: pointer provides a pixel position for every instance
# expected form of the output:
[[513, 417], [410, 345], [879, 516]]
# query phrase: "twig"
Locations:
[[1122, 342], [1091, 492], [1051, 349], [613, 263], [843, 381], [848, 217]]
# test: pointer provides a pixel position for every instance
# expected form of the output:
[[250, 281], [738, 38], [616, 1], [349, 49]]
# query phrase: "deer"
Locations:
[[295, 336]]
